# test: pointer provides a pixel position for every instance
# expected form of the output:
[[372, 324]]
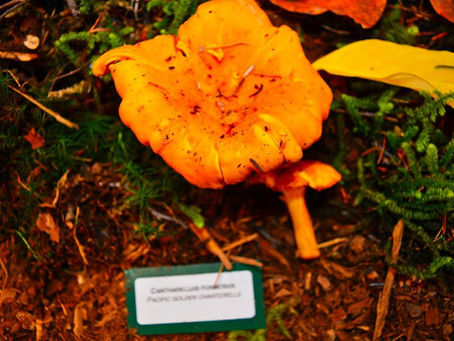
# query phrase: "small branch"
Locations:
[[52, 113], [163, 216], [79, 245], [70, 73], [332, 242], [205, 237], [245, 260], [383, 301], [14, 3], [242, 241], [10, 3]]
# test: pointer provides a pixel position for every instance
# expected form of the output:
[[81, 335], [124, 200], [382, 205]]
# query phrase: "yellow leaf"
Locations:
[[402, 65]]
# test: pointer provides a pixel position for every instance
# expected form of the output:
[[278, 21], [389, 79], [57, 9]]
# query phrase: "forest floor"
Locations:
[[72, 209]]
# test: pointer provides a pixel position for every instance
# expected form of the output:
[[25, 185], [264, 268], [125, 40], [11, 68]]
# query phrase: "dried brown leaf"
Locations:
[[46, 223], [7, 295], [445, 8], [366, 13], [35, 139]]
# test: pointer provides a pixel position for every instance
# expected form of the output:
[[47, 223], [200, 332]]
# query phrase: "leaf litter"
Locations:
[[49, 292]]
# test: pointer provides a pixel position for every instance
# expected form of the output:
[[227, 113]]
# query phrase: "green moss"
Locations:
[[176, 12], [274, 316], [416, 179]]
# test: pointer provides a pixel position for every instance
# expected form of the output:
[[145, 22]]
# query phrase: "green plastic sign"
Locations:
[[194, 298]]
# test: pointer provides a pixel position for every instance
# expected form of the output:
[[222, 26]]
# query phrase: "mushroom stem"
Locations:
[[302, 223]]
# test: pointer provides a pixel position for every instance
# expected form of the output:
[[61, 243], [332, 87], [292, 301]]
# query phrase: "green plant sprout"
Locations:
[[193, 212], [274, 315]]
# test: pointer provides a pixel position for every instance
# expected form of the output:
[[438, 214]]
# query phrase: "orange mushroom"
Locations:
[[228, 95], [364, 12], [292, 181]]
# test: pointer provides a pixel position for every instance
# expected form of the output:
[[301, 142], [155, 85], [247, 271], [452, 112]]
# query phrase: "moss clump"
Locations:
[[410, 175]]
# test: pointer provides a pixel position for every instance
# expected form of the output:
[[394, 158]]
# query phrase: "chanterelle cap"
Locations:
[[229, 94]]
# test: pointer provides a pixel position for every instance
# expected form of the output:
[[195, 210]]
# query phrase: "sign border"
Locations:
[[257, 322]]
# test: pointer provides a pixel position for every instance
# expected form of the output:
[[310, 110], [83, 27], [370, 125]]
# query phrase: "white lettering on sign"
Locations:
[[194, 298]]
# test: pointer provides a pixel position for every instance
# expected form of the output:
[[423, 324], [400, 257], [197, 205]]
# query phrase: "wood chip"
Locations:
[[282, 293], [357, 244], [358, 307], [324, 282], [338, 315], [330, 335], [46, 223], [337, 270], [307, 281], [80, 314], [383, 301], [38, 329], [267, 248], [31, 42], [20, 56], [411, 330]]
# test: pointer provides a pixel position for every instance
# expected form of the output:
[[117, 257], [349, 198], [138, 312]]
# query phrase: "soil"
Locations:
[[78, 293]]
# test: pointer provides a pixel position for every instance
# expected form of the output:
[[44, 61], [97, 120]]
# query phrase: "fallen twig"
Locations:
[[10, 3], [332, 242], [205, 237], [61, 182], [14, 4], [52, 113], [79, 245], [245, 260], [163, 216], [383, 300], [242, 241]]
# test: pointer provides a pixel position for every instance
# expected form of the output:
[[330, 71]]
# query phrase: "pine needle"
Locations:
[[242, 241], [52, 113]]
